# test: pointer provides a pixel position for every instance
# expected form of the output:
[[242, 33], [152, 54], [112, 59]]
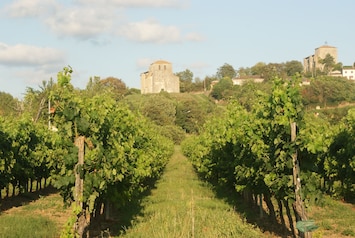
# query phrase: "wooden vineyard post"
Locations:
[[81, 223], [298, 204]]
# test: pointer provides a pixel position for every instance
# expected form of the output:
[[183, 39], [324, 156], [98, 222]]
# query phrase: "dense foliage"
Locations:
[[9, 105], [252, 150], [123, 152], [28, 153], [328, 91], [175, 114]]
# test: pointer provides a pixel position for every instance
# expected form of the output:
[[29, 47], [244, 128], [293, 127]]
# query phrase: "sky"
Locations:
[[121, 38]]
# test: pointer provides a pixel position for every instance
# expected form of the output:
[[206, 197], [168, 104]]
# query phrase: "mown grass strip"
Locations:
[[335, 219], [27, 226], [183, 206], [34, 217]]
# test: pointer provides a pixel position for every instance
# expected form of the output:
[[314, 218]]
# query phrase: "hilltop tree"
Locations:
[[244, 71], [111, 84], [274, 70], [186, 78], [258, 69], [328, 63], [226, 71], [221, 89], [293, 67], [208, 81], [338, 66], [117, 86]]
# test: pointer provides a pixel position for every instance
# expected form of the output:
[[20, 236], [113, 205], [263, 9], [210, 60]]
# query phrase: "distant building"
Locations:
[[349, 72], [311, 63], [160, 77], [250, 78]]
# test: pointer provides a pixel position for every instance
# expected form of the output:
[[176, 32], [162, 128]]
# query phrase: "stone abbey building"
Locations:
[[311, 63], [160, 77]]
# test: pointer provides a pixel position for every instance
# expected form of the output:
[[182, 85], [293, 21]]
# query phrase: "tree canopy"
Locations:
[[226, 71], [328, 63], [186, 78], [9, 105]]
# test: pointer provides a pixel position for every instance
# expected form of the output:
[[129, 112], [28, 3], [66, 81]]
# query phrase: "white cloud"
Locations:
[[30, 8], [138, 3], [29, 55], [81, 22], [150, 31], [97, 20]]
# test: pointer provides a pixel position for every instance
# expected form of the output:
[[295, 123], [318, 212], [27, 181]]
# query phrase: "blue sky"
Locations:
[[121, 38]]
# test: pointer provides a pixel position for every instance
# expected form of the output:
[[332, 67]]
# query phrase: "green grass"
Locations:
[[27, 226], [33, 215], [335, 218], [183, 206]]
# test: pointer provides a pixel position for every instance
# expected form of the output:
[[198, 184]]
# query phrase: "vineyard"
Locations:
[[101, 153], [95, 153], [254, 153]]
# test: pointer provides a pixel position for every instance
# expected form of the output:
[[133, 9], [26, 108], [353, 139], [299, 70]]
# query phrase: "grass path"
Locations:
[[33, 216], [183, 206]]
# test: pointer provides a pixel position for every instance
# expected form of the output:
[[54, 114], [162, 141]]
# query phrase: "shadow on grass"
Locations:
[[25, 198], [120, 218], [251, 213]]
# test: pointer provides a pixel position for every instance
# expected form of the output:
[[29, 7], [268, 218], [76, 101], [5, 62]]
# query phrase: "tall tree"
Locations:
[[36, 101], [9, 106], [328, 63], [220, 90], [186, 78], [293, 67], [258, 69], [338, 66], [226, 71], [208, 81], [117, 86], [244, 71], [274, 70]]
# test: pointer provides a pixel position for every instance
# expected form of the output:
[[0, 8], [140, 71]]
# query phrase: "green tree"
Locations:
[[244, 71], [159, 109], [186, 78], [36, 100], [274, 70], [226, 71], [117, 86], [338, 66], [248, 93], [328, 63], [258, 69], [325, 90], [220, 90], [9, 105], [208, 81], [293, 67], [198, 85]]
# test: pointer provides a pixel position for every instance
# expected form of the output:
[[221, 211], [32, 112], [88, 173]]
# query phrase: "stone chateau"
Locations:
[[160, 77], [311, 63]]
